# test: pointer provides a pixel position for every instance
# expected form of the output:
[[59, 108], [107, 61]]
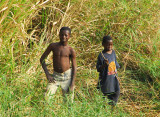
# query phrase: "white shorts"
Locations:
[[61, 79]]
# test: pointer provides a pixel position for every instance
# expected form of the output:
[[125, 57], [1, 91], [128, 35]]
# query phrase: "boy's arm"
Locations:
[[42, 61], [74, 69], [100, 66], [117, 65]]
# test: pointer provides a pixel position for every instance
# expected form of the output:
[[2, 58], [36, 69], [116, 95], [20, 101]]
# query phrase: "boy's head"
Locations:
[[64, 34], [107, 43], [65, 28]]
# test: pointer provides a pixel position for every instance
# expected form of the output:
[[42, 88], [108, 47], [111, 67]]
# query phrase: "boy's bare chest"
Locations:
[[61, 51]]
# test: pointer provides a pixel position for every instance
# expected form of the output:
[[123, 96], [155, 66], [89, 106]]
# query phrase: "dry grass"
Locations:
[[27, 28]]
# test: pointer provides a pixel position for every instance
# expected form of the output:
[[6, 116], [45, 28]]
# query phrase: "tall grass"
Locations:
[[27, 28]]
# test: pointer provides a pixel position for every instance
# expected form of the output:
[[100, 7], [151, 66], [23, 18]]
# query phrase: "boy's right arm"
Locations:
[[100, 66], [42, 61]]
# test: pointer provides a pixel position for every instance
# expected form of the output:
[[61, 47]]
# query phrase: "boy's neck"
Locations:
[[107, 51], [63, 44]]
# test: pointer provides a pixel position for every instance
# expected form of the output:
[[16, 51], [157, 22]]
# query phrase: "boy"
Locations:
[[63, 54], [107, 67]]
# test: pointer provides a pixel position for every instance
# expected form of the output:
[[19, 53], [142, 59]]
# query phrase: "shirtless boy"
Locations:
[[64, 57]]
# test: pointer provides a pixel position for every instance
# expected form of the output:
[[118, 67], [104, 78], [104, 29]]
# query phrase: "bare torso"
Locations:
[[61, 57]]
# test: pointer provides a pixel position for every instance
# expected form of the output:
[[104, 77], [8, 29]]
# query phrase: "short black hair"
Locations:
[[106, 38], [66, 28]]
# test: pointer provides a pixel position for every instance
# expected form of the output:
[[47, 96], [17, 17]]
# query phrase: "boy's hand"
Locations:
[[71, 88], [51, 79], [106, 62]]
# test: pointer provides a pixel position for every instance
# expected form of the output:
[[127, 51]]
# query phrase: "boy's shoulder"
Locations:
[[53, 45], [113, 51], [71, 49], [102, 52]]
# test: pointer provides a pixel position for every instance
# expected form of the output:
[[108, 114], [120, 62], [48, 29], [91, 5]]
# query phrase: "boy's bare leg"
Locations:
[[68, 96], [66, 91]]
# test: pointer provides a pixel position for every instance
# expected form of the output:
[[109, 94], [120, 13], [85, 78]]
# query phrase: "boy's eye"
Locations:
[[64, 35], [109, 44]]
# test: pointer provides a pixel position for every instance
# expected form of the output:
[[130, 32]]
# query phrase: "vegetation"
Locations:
[[27, 28]]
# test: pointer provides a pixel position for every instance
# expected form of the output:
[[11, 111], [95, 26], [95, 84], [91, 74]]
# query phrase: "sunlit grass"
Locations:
[[27, 28]]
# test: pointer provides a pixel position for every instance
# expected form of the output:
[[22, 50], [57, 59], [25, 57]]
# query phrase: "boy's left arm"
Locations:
[[74, 69], [117, 65]]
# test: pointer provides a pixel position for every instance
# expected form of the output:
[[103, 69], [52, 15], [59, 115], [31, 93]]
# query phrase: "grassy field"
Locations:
[[27, 28]]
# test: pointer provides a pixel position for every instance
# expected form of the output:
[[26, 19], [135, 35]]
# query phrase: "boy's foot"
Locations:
[[112, 108]]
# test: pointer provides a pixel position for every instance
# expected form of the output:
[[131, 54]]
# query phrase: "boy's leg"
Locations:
[[68, 96], [116, 96], [104, 99], [51, 90], [113, 97], [65, 89]]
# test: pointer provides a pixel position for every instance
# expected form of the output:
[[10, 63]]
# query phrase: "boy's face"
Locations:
[[64, 36], [108, 45]]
